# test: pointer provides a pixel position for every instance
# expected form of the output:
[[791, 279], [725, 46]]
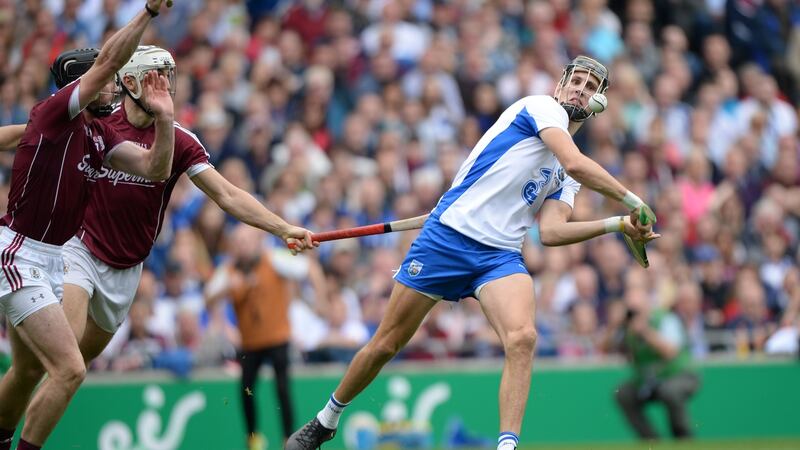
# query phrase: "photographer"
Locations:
[[655, 343], [258, 284]]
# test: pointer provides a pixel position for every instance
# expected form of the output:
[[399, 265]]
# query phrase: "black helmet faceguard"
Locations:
[[71, 65], [584, 64]]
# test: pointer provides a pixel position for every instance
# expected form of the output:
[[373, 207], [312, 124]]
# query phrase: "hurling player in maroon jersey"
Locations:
[[103, 262], [46, 205], [125, 214]]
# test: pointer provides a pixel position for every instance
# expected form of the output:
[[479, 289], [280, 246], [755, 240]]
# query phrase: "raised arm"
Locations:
[[10, 136], [589, 173], [246, 208], [556, 229], [155, 163], [115, 53]]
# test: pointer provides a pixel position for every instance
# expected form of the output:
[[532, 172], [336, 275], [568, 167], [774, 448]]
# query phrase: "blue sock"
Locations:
[[507, 439]]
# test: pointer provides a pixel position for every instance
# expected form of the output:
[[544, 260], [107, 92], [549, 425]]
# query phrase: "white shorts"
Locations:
[[110, 290], [31, 275]]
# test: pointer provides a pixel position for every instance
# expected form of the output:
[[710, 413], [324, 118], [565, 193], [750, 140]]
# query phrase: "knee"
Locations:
[[521, 342], [672, 399], [383, 349], [70, 373], [625, 395]]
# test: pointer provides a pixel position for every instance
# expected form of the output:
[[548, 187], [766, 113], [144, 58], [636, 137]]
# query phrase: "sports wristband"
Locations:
[[631, 201], [150, 11], [614, 224]]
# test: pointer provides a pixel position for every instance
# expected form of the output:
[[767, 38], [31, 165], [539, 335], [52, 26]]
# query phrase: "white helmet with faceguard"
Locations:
[[145, 59], [587, 87]]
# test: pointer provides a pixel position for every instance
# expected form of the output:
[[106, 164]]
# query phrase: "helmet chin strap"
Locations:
[[576, 113], [137, 101], [101, 111]]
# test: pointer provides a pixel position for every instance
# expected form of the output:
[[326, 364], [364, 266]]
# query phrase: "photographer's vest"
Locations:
[[262, 308], [648, 364]]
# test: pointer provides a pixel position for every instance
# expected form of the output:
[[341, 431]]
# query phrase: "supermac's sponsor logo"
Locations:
[[114, 177]]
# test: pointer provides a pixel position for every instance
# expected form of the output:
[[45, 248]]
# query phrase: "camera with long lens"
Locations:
[[630, 313]]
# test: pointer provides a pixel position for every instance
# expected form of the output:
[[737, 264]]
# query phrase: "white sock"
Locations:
[[329, 415], [507, 441]]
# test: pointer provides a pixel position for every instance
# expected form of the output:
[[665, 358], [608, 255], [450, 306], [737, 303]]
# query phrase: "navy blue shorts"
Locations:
[[444, 262]]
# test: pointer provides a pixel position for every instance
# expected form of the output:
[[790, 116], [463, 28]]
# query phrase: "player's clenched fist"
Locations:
[[637, 231], [297, 239], [154, 6], [157, 96], [643, 218]]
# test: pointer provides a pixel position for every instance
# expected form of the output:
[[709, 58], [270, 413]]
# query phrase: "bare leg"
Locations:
[[76, 305], [404, 314], [19, 382], [93, 341], [406, 310], [509, 307], [48, 334]]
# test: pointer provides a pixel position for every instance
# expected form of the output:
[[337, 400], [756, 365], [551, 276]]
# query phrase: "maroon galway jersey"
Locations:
[[49, 191], [126, 212]]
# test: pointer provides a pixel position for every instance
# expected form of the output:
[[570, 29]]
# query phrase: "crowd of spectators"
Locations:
[[350, 112]]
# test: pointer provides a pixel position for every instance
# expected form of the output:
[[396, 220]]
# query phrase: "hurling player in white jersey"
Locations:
[[526, 163]]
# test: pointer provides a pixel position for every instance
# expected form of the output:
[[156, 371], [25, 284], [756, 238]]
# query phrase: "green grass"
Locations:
[[738, 444]]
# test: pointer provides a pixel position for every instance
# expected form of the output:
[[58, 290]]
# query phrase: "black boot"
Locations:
[[310, 437]]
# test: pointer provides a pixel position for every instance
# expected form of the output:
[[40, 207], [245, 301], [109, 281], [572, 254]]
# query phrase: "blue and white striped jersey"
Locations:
[[507, 177]]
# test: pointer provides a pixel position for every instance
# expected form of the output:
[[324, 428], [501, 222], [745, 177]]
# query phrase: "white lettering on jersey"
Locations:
[[508, 176], [114, 176]]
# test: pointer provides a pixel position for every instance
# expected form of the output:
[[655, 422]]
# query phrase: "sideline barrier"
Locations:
[[569, 404]]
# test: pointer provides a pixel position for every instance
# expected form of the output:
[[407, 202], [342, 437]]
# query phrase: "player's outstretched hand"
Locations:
[[298, 239], [156, 95], [155, 5], [639, 232]]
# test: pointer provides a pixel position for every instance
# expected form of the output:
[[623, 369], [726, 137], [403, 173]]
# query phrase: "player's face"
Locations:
[[107, 95], [169, 74], [578, 88]]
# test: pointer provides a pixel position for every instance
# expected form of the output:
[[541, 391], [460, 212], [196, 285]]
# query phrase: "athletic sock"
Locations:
[[6, 436], [25, 445], [507, 441], [329, 415]]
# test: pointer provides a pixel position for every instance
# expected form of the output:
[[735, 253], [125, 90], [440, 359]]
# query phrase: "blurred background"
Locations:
[[344, 113]]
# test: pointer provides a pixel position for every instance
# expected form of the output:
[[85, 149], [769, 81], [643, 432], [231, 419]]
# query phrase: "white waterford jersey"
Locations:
[[508, 176]]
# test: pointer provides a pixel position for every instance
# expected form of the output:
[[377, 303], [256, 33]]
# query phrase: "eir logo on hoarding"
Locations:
[[151, 433]]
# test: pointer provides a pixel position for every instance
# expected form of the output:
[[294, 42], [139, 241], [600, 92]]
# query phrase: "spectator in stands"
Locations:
[[580, 340], [142, 346], [306, 100], [688, 307], [787, 338], [342, 331], [749, 315]]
